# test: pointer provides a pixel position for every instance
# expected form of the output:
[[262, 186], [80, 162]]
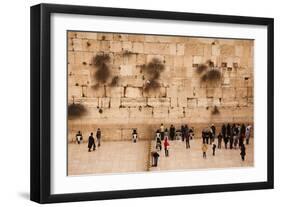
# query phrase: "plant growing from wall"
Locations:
[[101, 63], [114, 81], [153, 71], [215, 110], [210, 75], [76, 110]]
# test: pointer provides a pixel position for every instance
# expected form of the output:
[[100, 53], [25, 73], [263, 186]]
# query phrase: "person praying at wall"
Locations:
[[204, 150], [172, 132], [134, 135], [158, 141], [191, 133], [214, 149], [182, 133], [248, 133], [219, 140], [243, 152], [162, 130], [91, 143], [166, 146], [228, 132], [187, 144], [186, 131], [98, 135], [79, 137], [155, 155], [213, 132]]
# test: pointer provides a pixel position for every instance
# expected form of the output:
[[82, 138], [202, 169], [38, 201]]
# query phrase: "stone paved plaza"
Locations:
[[181, 158], [111, 157], [125, 156]]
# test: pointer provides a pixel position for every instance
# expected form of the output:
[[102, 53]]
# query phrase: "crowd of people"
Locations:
[[234, 136]]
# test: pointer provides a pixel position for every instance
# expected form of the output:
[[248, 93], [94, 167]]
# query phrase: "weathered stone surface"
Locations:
[[180, 95]]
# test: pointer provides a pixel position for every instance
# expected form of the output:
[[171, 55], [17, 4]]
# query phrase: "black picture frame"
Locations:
[[41, 96]]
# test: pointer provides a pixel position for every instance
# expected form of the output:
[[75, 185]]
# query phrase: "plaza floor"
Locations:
[[181, 158], [125, 156]]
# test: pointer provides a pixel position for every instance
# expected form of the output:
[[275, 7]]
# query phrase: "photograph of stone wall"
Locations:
[[120, 82]]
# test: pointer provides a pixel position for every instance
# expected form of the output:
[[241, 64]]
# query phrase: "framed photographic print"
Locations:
[[132, 103]]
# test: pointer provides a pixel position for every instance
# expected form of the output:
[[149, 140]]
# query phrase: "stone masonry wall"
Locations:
[[181, 98]]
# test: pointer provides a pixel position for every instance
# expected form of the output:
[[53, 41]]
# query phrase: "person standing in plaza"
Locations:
[[191, 133], [228, 132], [243, 152], [204, 150], [134, 135], [213, 132], [166, 146], [91, 142], [98, 135], [158, 141], [214, 149], [155, 156], [187, 144], [223, 131], [172, 132], [182, 132], [186, 131], [79, 137], [248, 133], [162, 130], [219, 140], [231, 140]]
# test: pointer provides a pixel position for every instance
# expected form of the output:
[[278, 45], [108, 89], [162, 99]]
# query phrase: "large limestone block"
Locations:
[[178, 61], [115, 46], [229, 102], [133, 102], [90, 45], [241, 92], [136, 38], [114, 91], [159, 102], [194, 49], [137, 47], [228, 92], [156, 48], [133, 92], [180, 49], [141, 59], [127, 46], [126, 70], [227, 50], [191, 103], [160, 112], [104, 46], [77, 44], [115, 102], [216, 51]]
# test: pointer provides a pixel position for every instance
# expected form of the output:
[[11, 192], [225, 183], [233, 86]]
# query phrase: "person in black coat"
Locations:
[[91, 142], [243, 152], [219, 140], [172, 132], [223, 131], [182, 133], [213, 132]]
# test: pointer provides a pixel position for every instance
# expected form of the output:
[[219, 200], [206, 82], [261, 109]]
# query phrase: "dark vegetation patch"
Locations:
[[153, 71], [76, 110]]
